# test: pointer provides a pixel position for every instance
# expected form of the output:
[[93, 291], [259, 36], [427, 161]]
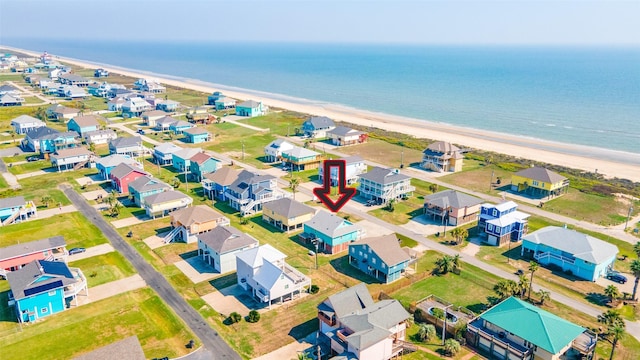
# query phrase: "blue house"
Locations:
[[167, 105], [331, 232], [201, 164], [83, 124], [317, 126], [43, 288], [181, 158], [502, 223], [145, 186], [582, 255], [380, 257], [163, 153], [107, 163], [47, 140], [211, 100], [179, 126], [16, 209], [196, 135], [250, 108], [248, 193], [215, 184]]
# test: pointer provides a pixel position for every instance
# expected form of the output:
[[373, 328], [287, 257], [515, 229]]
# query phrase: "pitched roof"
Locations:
[[249, 104], [165, 196], [349, 301], [343, 131], [42, 132], [582, 246], [23, 281], [126, 142], [540, 174], [88, 120], [31, 247], [227, 175], [90, 134], [167, 148], [128, 348], [386, 247], [443, 147], [452, 198], [12, 202], [300, 152], [181, 123], [68, 152], [320, 122], [122, 170], [244, 180], [200, 158], [148, 183], [383, 176], [166, 120], [255, 257], [331, 224], [278, 143], [371, 325], [353, 159], [187, 153], [195, 215], [533, 324], [114, 160], [153, 113], [26, 119], [195, 130], [288, 208], [225, 100], [224, 239]]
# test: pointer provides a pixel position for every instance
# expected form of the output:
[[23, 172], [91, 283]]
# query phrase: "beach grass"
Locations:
[[385, 153]]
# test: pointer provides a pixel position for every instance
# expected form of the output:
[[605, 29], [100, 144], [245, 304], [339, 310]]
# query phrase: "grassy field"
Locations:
[[86, 328], [75, 228], [385, 153], [406, 210], [104, 268]]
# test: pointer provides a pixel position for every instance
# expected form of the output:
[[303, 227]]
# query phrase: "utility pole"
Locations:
[[242, 150], [491, 181], [186, 179], [628, 217], [402, 158]]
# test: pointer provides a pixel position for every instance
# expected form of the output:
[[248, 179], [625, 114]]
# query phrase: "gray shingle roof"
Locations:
[[195, 215], [69, 152], [224, 239], [26, 119], [330, 224], [300, 152], [167, 148], [582, 246], [541, 174], [343, 131], [453, 198], [443, 147], [288, 208], [12, 202], [122, 170], [23, 279], [31, 247], [41, 133], [114, 160], [243, 181], [249, 104], [187, 153], [164, 197], [88, 120], [196, 130], [320, 122], [148, 183], [126, 142], [383, 176], [353, 159], [227, 175], [386, 247], [126, 349]]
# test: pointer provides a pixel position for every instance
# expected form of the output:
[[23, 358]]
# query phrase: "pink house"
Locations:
[[455, 207], [122, 175], [14, 257]]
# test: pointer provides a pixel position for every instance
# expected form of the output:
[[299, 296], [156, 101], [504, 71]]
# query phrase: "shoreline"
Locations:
[[611, 163]]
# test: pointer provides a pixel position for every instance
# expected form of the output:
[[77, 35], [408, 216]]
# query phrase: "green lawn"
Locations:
[[3, 184], [385, 153], [104, 268], [30, 167], [75, 228], [86, 328], [402, 213]]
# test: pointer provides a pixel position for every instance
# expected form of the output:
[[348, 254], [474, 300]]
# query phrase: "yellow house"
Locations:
[[194, 220], [287, 214], [165, 202], [539, 182]]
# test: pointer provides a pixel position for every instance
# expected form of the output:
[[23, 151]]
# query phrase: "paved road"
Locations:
[[9, 177], [214, 344]]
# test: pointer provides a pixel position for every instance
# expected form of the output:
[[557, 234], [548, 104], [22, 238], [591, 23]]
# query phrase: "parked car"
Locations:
[[33, 158], [77, 250], [617, 277], [141, 131], [520, 272]]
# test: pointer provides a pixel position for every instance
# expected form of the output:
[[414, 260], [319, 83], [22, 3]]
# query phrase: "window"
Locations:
[[373, 260], [490, 227], [360, 253], [52, 293], [384, 265], [495, 212], [286, 286], [353, 250], [369, 250], [44, 310]]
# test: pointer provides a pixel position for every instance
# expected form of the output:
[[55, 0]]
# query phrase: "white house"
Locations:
[[116, 103], [131, 146], [135, 106], [24, 123], [219, 246], [263, 272], [99, 136], [354, 166], [71, 158], [273, 151]]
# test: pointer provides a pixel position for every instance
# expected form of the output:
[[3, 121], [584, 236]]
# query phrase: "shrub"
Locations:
[[437, 313], [244, 221], [314, 289], [426, 332], [253, 317], [451, 347], [234, 317]]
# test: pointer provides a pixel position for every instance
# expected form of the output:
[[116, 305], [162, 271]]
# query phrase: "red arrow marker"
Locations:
[[346, 193]]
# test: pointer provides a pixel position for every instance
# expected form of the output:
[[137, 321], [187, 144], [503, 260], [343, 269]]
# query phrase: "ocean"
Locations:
[[578, 95]]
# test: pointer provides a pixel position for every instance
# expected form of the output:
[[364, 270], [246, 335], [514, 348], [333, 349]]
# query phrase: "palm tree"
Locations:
[[635, 270], [13, 135], [445, 264], [456, 261], [46, 200], [544, 295], [426, 332], [636, 249], [92, 147], [611, 318], [303, 356], [523, 285], [616, 331], [612, 292], [533, 267], [433, 188], [293, 184], [460, 234], [452, 347], [505, 288]]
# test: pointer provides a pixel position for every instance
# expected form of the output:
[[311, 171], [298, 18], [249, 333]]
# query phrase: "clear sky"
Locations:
[[432, 22]]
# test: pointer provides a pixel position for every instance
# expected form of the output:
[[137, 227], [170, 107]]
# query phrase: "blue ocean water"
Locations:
[[588, 96]]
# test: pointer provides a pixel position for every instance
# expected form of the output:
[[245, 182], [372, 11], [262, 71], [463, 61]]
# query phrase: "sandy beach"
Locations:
[[610, 163]]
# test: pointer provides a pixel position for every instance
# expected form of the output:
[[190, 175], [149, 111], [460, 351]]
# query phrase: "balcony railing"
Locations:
[[517, 350], [555, 256]]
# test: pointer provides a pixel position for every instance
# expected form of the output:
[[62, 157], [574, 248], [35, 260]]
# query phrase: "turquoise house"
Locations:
[[576, 253], [83, 124], [380, 257], [250, 108], [202, 164], [179, 126], [145, 186], [43, 288], [48, 140], [182, 158], [196, 135], [331, 232]]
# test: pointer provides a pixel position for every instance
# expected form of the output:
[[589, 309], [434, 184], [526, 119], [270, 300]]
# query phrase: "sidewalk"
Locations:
[[43, 214]]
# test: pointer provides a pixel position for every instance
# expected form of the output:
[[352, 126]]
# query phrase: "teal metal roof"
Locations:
[[533, 324]]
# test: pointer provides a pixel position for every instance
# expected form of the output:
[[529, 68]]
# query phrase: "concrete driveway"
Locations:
[[92, 195], [626, 287], [372, 230], [92, 251], [109, 289], [196, 269], [230, 299], [421, 225]]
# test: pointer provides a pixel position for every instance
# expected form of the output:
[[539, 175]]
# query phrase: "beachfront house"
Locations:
[[515, 329], [100, 136], [9, 89], [43, 288], [15, 209], [122, 175], [179, 126], [72, 92], [164, 123], [71, 158], [225, 103], [85, 123], [150, 117], [452, 206], [100, 73], [353, 326], [211, 99], [196, 135], [354, 166], [330, 233], [273, 151], [25, 123], [442, 156], [163, 153], [182, 159], [163, 203], [135, 106], [383, 185], [130, 146], [287, 214], [220, 246], [215, 184], [17, 256], [249, 193], [343, 136], [501, 224], [574, 252], [201, 164], [317, 127], [300, 159], [263, 273], [250, 108], [539, 182], [144, 186], [105, 164], [189, 222], [380, 257], [47, 140], [73, 79]]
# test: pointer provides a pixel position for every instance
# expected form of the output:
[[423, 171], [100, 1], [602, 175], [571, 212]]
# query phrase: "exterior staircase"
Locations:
[[172, 235], [80, 165], [11, 218]]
